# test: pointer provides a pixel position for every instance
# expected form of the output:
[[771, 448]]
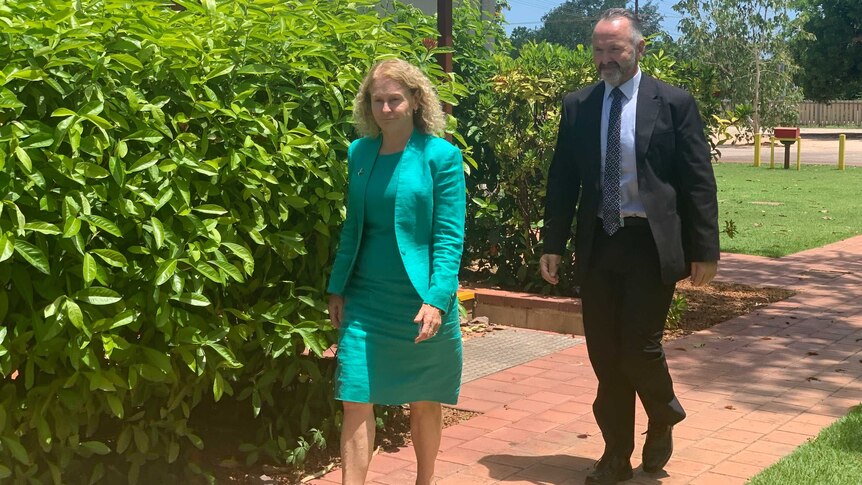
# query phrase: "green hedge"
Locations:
[[170, 176]]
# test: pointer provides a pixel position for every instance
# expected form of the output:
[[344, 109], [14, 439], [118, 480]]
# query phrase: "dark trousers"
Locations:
[[625, 304]]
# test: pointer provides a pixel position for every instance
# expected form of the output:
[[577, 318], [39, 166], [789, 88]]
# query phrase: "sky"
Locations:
[[528, 13]]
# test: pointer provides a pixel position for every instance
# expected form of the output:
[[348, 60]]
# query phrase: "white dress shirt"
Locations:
[[630, 202]]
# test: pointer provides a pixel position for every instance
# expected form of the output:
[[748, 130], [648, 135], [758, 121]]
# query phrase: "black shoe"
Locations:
[[610, 470], [658, 447]]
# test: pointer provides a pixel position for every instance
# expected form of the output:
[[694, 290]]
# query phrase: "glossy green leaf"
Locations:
[[242, 253], [124, 439], [90, 268], [27, 74], [7, 247], [99, 121], [91, 170], [173, 451], [158, 232], [98, 296], [96, 447], [71, 227], [113, 258], [228, 356], [17, 450], [144, 162], [115, 404], [32, 255], [194, 299], [98, 381], [218, 387], [166, 269], [8, 100], [211, 209], [44, 434], [128, 61], [74, 314], [42, 227], [54, 307], [122, 319], [63, 112], [115, 164], [24, 158], [103, 224], [258, 69], [38, 140], [230, 270], [148, 135], [208, 271]]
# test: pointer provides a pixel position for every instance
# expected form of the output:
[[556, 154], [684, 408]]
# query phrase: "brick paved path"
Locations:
[[754, 387]]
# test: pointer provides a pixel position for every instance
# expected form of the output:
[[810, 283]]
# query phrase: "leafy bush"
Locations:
[[519, 123], [170, 178]]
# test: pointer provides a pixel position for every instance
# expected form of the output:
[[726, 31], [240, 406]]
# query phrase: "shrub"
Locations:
[[676, 311], [170, 178], [519, 120]]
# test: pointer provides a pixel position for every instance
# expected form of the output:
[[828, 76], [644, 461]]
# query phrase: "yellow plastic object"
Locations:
[[841, 139], [466, 295]]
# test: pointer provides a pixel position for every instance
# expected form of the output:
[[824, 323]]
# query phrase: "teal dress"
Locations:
[[378, 361]]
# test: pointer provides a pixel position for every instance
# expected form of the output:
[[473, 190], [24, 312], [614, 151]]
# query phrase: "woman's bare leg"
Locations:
[[426, 428], [357, 442]]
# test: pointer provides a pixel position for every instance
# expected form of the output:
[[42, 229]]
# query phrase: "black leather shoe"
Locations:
[[610, 470], [658, 447]]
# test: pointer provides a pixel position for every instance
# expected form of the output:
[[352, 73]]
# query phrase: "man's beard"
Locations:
[[612, 73]]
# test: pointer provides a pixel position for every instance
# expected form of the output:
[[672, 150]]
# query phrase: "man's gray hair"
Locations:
[[624, 13]]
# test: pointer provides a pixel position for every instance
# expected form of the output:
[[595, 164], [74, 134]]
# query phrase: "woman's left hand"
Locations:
[[429, 321]]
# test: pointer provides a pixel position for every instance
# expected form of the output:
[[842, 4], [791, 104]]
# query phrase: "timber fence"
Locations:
[[841, 113]]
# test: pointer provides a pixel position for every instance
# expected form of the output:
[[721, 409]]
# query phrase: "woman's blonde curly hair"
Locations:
[[428, 117]]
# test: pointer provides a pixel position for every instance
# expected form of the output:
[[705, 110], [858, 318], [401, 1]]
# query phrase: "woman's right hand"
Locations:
[[336, 310]]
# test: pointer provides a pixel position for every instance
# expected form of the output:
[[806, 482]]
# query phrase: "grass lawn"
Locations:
[[778, 212], [833, 458]]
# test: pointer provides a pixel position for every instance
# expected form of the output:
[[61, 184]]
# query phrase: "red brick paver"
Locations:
[[755, 388]]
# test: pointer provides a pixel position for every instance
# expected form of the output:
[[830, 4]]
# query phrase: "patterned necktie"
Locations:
[[613, 156]]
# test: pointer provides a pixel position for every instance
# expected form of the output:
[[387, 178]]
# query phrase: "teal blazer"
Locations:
[[430, 205]]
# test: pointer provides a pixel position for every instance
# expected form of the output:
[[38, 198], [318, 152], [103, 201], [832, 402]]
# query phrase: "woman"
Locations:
[[395, 278]]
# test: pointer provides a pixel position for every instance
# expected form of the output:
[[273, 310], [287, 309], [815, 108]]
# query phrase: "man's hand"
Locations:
[[702, 272], [549, 264], [336, 310], [429, 321]]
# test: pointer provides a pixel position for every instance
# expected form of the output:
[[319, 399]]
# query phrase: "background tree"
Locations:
[[572, 22], [748, 43], [520, 36], [831, 61]]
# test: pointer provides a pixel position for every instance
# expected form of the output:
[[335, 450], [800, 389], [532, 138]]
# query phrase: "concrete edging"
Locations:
[[528, 310]]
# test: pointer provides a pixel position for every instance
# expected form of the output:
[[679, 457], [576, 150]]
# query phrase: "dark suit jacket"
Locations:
[[675, 179]]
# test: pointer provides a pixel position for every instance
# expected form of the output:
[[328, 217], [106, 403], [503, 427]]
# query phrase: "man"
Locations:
[[633, 149]]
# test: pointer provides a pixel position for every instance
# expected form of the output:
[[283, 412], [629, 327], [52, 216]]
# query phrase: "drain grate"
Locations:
[[502, 349]]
